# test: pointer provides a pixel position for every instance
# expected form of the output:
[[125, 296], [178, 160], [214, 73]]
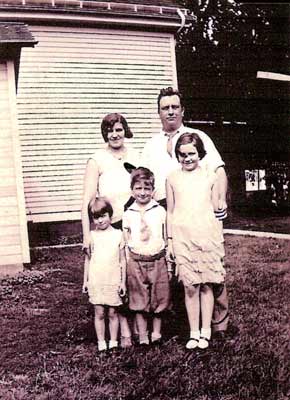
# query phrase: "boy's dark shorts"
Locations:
[[148, 283]]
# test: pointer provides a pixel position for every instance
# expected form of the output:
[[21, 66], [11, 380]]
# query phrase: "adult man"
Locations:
[[159, 156]]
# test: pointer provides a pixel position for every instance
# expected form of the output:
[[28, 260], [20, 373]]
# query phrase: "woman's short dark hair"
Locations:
[[142, 174], [109, 122], [99, 207], [191, 137], [169, 91]]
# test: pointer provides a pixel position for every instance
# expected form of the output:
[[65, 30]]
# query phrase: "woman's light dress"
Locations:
[[114, 180]]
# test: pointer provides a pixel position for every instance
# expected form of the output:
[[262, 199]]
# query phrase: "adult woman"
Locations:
[[106, 176]]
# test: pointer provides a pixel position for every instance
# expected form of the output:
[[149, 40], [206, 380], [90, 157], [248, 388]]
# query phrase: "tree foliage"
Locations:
[[224, 46], [218, 57]]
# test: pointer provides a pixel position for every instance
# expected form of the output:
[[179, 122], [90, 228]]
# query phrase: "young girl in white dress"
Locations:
[[105, 271], [195, 235]]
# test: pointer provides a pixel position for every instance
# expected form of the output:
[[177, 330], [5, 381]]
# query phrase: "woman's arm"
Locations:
[[170, 208], [90, 189]]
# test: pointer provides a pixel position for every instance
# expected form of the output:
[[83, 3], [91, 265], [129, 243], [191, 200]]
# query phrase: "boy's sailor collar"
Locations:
[[135, 207]]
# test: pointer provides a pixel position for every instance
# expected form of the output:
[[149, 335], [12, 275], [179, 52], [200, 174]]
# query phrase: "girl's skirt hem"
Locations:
[[104, 295]]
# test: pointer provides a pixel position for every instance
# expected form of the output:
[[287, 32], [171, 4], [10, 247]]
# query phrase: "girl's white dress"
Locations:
[[104, 274], [197, 234]]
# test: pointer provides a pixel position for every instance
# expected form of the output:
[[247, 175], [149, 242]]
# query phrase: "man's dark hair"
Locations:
[[169, 91], [190, 137]]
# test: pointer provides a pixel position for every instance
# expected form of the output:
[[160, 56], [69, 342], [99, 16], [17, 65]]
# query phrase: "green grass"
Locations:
[[48, 345]]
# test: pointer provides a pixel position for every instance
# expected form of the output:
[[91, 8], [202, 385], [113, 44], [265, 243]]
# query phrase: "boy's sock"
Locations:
[[113, 344], [155, 336], [102, 345], [143, 338], [126, 341], [205, 335], [193, 341]]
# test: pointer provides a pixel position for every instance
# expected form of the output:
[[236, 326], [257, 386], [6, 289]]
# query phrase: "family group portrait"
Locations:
[[145, 200]]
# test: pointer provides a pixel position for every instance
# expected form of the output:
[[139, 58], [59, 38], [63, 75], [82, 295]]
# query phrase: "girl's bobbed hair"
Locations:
[[99, 207], [190, 137], [109, 122]]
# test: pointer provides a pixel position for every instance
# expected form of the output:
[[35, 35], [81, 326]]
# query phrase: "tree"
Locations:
[[218, 57], [221, 51]]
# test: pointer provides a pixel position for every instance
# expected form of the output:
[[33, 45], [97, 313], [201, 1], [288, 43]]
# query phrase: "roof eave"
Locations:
[[94, 19], [170, 21]]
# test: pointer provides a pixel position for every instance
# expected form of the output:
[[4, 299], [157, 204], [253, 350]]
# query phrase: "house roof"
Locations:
[[159, 10], [16, 33], [162, 3]]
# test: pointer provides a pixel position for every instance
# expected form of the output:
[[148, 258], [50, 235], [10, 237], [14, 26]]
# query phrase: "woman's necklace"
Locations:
[[118, 153]]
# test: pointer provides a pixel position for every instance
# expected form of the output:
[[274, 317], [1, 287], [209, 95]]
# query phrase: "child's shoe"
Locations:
[[156, 339], [126, 342], [203, 342], [193, 340], [102, 345], [113, 344], [192, 344]]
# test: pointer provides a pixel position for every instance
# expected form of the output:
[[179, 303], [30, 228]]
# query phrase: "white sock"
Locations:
[[144, 339], [205, 332], [194, 334], [155, 336], [102, 345], [113, 344]]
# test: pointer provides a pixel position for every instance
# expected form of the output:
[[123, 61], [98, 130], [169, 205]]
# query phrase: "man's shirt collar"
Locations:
[[168, 134]]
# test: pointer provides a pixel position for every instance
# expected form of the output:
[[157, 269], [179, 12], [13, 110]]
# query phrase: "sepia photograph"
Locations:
[[144, 199]]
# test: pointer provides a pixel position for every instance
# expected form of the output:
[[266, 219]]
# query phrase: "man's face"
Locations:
[[171, 113]]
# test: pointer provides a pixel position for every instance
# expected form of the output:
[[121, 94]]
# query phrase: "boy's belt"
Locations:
[[142, 257]]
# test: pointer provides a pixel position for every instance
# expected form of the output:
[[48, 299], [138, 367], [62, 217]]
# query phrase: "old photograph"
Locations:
[[144, 199]]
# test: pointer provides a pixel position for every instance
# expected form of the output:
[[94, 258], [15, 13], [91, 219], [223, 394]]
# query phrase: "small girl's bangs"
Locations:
[[99, 212], [99, 208]]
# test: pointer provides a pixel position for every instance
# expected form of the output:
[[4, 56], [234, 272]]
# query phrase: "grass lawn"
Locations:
[[48, 345]]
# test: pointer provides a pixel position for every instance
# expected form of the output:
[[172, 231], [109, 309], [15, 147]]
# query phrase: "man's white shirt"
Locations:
[[156, 158]]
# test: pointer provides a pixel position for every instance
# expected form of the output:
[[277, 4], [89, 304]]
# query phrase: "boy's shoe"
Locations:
[[126, 342], [156, 341]]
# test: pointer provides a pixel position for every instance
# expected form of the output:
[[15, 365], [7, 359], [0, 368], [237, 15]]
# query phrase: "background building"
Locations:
[[91, 58]]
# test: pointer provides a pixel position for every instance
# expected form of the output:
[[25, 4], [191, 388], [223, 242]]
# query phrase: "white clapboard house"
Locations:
[[84, 60]]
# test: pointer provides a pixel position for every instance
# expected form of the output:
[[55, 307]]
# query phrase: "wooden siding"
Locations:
[[13, 229], [67, 84]]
